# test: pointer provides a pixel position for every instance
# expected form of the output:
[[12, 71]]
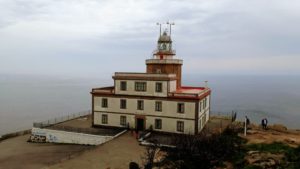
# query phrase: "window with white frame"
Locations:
[[123, 120], [158, 124], [158, 106], [180, 126], [122, 104], [200, 106], [180, 107], [123, 85], [140, 86], [140, 104], [104, 102], [104, 119], [158, 87]]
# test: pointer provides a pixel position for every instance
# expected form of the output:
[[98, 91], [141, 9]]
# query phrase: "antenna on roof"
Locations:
[[170, 23], [159, 28]]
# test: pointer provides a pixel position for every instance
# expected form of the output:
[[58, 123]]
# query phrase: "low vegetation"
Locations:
[[225, 150]]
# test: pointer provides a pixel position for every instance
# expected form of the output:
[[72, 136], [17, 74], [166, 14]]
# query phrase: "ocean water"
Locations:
[[275, 97], [26, 99]]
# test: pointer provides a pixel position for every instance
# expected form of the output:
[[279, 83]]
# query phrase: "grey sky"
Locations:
[[99, 37]]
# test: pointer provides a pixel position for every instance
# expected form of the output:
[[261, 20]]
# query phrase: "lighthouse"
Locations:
[[153, 100], [164, 60]]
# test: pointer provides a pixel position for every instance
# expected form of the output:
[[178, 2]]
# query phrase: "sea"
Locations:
[[25, 99]]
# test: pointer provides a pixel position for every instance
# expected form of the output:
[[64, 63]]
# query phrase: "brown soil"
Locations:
[[257, 135]]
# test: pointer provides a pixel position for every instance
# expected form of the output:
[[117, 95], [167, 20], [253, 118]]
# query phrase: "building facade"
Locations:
[[153, 100]]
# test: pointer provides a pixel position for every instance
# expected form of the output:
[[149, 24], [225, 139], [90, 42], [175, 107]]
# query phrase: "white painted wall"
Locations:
[[114, 119], [150, 88], [56, 136], [203, 113], [169, 108], [172, 85], [168, 124]]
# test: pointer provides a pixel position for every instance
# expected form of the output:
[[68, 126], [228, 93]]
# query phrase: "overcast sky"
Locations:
[[99, 37]]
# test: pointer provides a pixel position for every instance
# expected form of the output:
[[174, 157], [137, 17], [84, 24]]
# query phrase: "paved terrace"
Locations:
[[84, 125], [18, 153]]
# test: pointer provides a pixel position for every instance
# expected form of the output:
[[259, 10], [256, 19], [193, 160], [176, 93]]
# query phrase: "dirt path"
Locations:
[[116, 154]]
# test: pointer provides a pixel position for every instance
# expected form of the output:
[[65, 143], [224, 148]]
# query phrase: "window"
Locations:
[[123, 120], [158, 106], [104, 118], [204, 103], [180, 126], [123, 104], [200, 124], [180, 107], [157, 124], [158, 87], [203, 120], [104, 102], [200, 106], [140, 86], [140, 104], [123, 85]]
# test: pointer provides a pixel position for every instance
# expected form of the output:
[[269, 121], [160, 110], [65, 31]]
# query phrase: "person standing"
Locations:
[[266, 123], [263, 123], [247, 123]]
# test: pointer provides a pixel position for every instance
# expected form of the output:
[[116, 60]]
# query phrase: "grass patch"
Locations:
[[276, 147], [292, 155]]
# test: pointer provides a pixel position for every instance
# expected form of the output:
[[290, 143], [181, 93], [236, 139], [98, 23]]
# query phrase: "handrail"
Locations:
[[56, 120]]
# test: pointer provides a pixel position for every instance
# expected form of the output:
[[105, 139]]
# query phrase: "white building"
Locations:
[[155, 99]]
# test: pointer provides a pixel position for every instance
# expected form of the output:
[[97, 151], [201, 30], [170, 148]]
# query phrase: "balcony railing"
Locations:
[[187, 94], [108, 90]]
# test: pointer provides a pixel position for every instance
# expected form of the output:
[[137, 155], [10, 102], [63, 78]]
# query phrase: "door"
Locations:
[[140, 124]]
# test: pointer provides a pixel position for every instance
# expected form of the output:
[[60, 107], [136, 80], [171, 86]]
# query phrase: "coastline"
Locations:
[[114, 154]]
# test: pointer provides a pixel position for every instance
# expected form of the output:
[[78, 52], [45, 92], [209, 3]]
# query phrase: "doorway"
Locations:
[[140, 124]]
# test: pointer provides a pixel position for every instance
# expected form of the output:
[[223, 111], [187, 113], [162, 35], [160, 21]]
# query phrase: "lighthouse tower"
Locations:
[[163, 60]]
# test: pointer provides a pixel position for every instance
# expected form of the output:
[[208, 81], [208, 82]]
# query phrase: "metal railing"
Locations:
[[56, 120], [230, 115]]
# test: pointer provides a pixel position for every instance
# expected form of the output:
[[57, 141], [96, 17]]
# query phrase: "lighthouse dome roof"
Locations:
[[164, 37]]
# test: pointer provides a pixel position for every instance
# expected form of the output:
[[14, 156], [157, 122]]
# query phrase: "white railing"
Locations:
[[165, 61], [128, 74], [187, 94], [61, 119]]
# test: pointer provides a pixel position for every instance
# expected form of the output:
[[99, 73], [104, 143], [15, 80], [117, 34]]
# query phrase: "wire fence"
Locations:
[[219, 121], [56, 120], [230, 115]]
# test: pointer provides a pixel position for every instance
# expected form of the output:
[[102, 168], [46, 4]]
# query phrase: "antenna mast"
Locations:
[[159, 28], [170, 23]]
